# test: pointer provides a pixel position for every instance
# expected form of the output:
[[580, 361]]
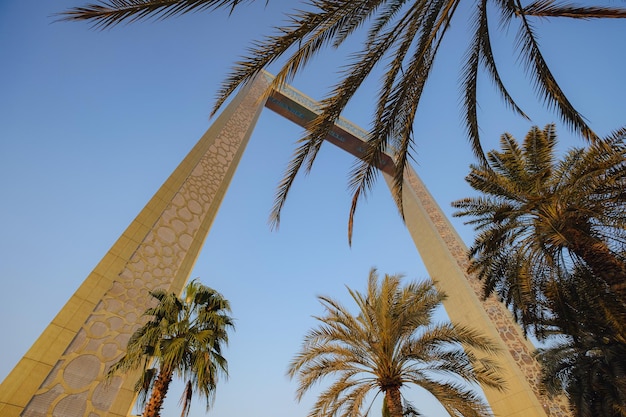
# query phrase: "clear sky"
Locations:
[[92, 122]]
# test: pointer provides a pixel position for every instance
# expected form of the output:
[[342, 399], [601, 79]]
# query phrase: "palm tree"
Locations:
[[390, 344], [538, 217], [183, 337], [586, 351], [552, 245], [405, 34]]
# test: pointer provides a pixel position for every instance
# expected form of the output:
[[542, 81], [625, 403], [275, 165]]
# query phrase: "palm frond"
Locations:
[[545, 83], [550, 8], [300, 157], [105, 14], [457, 399], [470, 77]]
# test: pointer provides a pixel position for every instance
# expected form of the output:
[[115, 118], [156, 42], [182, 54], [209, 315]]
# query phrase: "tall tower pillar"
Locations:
[[63, 372], [445, 257]]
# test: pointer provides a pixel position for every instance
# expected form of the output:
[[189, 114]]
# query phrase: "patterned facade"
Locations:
[[63, 374], [448, 266]]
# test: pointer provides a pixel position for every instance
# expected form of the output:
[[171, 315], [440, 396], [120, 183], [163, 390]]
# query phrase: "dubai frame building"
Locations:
[[62, 374]]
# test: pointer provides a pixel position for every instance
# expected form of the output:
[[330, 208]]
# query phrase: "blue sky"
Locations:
[[92, 122]]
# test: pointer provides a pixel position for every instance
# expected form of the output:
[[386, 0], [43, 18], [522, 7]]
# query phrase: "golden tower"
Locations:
[[62, 374]]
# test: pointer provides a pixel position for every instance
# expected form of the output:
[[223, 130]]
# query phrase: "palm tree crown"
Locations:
[[539, 217], [390, 344], [552, 244], [184, 337], [407, 36]]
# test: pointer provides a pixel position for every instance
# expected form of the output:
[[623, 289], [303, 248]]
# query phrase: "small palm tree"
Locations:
[[405, 34], [183, 337], [538, 217], [390, 344]]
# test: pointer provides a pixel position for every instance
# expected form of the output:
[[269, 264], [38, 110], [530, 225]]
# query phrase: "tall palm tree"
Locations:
[[539, 217], [586, 351], [392, 343], [407, 36], [183, 337]]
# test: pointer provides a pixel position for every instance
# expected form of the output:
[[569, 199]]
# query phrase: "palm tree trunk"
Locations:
[[601, 260], [159, 391], [394, 401]]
